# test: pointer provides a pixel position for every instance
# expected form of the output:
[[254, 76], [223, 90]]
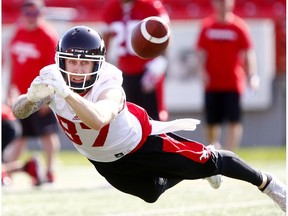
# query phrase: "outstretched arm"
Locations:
[[94, 114], [23, 107], [97, 114], [37, 96]]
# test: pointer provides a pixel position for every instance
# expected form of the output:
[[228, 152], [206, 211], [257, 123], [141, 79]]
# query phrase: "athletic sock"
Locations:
[[266, 180]]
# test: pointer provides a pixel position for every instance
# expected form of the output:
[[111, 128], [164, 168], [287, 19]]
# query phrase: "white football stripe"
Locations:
[[149, 37]]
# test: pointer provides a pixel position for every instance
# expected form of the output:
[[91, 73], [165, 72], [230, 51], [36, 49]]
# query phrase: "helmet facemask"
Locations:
[[89, 79], [85, 44]]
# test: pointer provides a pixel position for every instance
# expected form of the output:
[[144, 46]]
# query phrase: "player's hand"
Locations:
[[155, 69], [38, 90], [52, 77]]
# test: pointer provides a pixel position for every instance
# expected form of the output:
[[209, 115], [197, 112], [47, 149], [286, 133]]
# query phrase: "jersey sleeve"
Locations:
[[201, 41], [110, 78], [245, 36]]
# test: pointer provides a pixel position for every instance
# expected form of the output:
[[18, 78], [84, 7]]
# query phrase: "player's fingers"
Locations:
[[36, 81], [49, 82], [47, 69], [47, 75]]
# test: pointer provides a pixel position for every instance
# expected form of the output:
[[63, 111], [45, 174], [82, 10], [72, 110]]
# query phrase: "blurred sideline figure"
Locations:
[[226, 54], [143, 79], [33, 46], [11, 130]]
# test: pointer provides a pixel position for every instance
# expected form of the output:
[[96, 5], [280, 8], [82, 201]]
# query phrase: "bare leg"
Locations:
[[51, 145], [234, 135], [14, 150], [213, 135], [12, 167]]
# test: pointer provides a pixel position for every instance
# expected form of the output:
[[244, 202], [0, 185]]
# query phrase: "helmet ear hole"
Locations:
[[97, 66], [62, 63], [63, 67]]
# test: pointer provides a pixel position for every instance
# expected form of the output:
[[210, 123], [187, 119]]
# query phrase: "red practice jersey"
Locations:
[[223, 43], [7, 113], [120, 22], [30, 51]]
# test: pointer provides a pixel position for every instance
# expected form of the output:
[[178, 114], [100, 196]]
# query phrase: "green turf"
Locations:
[[263, 153], [248, 153], [81, 191]]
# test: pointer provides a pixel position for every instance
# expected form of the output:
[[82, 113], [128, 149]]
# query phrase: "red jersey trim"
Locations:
[[143, 118]]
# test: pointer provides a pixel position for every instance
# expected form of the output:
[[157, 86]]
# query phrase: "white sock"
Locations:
[[264, 181]]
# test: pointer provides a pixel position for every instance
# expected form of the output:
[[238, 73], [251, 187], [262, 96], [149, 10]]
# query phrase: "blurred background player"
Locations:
[[11, 130], [226, 53], [32, 47], [143, 78]]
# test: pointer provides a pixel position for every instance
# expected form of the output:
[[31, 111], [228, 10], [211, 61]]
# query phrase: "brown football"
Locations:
[[150, 37]]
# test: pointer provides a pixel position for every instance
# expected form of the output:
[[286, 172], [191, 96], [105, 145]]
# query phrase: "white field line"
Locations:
[[198, 208]]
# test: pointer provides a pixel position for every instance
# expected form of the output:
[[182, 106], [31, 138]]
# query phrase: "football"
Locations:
[[150, 37]]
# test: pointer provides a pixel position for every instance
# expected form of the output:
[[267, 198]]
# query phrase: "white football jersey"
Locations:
[[129, 128], [113, 141]]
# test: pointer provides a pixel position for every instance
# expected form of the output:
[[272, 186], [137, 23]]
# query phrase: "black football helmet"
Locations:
[[81, 43]]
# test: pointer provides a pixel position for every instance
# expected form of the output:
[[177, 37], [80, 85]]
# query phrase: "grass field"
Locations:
[[81, 191]]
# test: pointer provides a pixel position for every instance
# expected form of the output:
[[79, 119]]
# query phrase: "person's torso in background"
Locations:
[[121, 23], [30, 51], [223, 43]]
